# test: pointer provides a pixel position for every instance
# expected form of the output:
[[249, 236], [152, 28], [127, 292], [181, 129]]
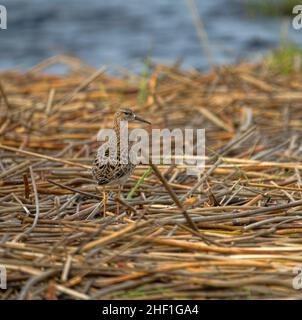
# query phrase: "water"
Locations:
[[126, 32]]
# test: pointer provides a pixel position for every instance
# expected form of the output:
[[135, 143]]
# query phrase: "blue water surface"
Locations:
[[125, 32]]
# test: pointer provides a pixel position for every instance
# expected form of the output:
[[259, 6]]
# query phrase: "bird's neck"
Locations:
[[117, 129]]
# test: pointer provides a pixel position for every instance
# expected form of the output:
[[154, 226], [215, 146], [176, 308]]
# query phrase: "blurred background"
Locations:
[[125, 33]]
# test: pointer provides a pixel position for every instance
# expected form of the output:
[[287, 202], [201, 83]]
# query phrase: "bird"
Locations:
[[114, 171]]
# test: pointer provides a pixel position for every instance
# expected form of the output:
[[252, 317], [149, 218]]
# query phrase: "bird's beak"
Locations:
[[137, 118]]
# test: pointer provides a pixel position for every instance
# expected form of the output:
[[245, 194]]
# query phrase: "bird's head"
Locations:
[[128, 115]]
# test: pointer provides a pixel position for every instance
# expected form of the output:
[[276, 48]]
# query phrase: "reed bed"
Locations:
[[234, 233]]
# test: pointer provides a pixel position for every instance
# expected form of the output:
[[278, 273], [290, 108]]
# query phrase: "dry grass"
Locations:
[[54, 240]]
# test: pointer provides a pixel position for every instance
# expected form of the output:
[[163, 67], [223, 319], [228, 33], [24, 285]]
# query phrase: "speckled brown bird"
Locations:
[[115, 172]]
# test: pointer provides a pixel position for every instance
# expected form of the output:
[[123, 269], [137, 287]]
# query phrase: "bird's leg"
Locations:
[[117, 203], [104, 201]]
